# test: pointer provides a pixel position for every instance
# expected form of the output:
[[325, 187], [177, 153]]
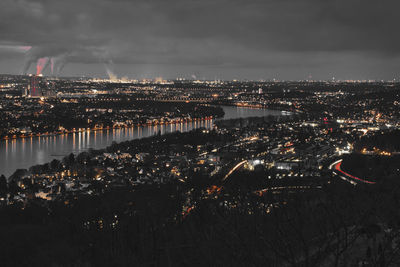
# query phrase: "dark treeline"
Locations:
[[375, 167], [389, 141], [145, 226], [372, 167]]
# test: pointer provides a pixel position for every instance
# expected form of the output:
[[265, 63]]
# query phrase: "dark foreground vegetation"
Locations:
[[372, 167], [146, 226], [388, 141]]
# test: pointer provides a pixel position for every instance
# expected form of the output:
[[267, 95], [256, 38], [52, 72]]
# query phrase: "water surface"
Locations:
[[24, 153]]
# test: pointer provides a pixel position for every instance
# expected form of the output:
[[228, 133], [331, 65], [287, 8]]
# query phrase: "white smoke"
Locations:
[[59, 57], [111, 74]]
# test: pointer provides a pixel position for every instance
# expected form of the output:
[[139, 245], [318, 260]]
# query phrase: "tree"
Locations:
[[83, 158], [18, 174], [13, 188], [55, 165], [3, 185], [69, 160]]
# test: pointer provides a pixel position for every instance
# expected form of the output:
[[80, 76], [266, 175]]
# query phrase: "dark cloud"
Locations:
[[233, 38]]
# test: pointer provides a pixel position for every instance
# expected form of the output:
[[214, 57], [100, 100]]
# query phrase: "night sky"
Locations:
[[205, 39]]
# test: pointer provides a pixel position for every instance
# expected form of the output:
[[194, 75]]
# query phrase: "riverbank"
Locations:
[[23, 153], [81, 130]]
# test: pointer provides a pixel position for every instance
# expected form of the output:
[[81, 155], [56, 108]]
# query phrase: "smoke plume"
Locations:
[[41, 65], [58, 57]]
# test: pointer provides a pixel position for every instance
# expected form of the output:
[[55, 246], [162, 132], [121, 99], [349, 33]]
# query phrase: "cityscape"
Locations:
[[115, 154]]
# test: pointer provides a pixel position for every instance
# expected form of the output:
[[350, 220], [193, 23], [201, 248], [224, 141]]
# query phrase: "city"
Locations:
[[199, 133], [315, 138]]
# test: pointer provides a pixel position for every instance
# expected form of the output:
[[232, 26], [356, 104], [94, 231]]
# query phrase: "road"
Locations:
[[237, 166], [336, 167]]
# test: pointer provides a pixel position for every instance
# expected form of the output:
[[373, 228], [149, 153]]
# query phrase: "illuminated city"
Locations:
[[159, 134]]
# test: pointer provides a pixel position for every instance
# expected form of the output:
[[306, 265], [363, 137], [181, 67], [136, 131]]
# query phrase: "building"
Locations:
[[34, 86], [38, 86]]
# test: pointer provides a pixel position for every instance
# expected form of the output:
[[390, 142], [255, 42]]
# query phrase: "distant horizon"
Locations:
[[104, 77]]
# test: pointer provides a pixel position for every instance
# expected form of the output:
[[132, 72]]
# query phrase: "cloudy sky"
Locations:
[[225, 39]]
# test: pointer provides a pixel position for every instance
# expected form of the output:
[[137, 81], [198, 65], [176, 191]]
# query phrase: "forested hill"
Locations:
[[389, 141]]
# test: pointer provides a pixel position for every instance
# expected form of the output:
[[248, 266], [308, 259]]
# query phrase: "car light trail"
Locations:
[[234, 169], [336, 166]]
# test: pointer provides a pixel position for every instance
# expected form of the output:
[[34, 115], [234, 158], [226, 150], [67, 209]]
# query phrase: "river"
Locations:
[[24, 153]]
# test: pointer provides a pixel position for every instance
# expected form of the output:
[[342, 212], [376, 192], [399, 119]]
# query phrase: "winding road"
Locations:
[[336, 167]]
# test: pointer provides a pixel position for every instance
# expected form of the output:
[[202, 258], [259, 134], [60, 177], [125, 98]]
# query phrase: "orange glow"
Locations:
[[214, 189]]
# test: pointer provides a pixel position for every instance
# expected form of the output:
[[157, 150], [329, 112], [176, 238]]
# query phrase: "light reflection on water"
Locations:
[[24, 153]]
